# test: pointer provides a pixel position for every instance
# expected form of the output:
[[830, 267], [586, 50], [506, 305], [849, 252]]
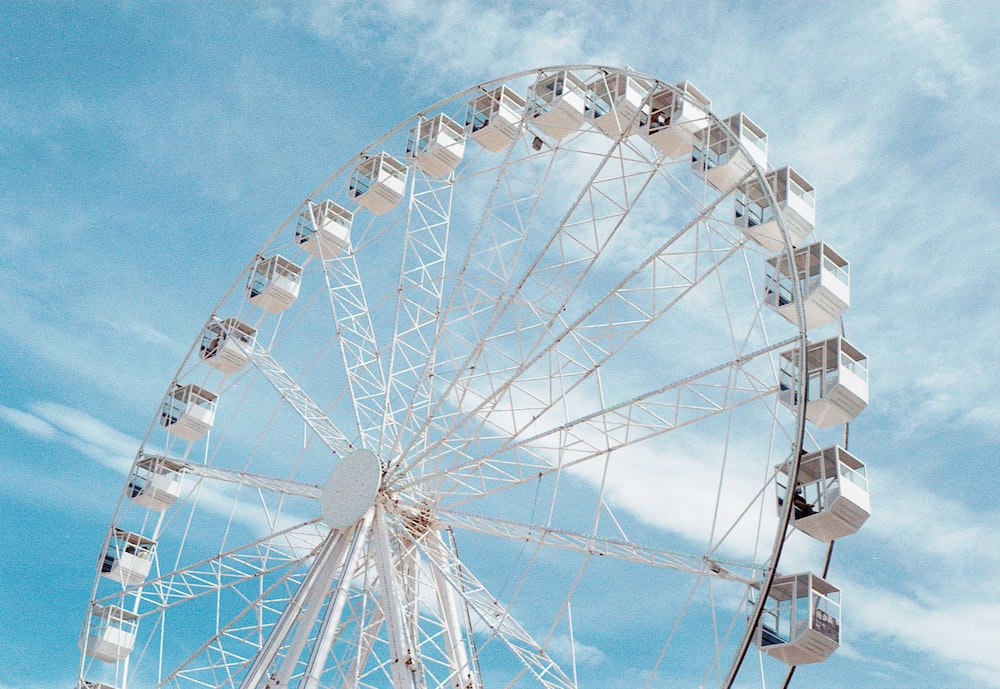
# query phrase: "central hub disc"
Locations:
[[351, 489]]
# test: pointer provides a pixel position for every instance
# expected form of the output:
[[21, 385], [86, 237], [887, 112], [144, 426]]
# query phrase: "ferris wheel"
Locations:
[[533, 391]]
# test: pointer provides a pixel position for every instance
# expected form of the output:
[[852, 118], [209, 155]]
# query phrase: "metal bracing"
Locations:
[[464, 674], [641, 297], [418, 309], [360, 350], [407, 672], [529, 304], [243, 478], [225, 656], [540, 451], [594, 545], [300, 613], [487, 609], [486, 269], [271, 554], [297, 398], [367, 639], [327, 634]]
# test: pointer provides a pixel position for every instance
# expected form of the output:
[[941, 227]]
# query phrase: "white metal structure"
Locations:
[[110, 633], [378, 183], [225, 343], [494, 117], [532, 406], [558, 101], [618, 103], [155, 482], [188, 411], [436, 145]]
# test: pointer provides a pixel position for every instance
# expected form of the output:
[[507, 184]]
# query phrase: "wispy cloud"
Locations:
[[942, 62], [946, 610], [443, 41], [965, 635], [28, 423], [564, 650]]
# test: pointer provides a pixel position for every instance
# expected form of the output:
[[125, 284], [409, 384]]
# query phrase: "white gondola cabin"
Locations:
[[831, 498], [436, 145], [110, 633], [378, 183], [128, 557], [155, 482], [324, 229], [801, 619], [274, 283], [189, 411], [676, 118], [836, 381], [616, 103], [795, 199], [558, 102], [727, 150], [493, 119], [226, 344], [823, 276], [94, 685]]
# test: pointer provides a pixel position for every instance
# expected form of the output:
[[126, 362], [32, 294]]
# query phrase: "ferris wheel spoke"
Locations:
[[294, 627], [243, 478], [399, 604], [487, 268], [657, 411], [367, 640], [457, 627], [328, 630], [358, 344], [602, 547], [590, 341], [225, 655], [487, 609], [264, 556], [418, 308], [296, 397], [536, 300]]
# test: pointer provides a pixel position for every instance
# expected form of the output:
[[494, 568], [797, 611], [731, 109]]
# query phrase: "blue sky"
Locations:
[[149, 148]]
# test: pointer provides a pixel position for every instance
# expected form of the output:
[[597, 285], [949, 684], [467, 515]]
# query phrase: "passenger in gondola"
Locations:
[[803, 508]]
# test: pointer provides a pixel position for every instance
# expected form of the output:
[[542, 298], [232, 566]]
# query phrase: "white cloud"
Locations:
[[941, 62], [963, 634], [952, 534], [564, 650], [94, 438], [938, 593], [444, 40], [28, 423]]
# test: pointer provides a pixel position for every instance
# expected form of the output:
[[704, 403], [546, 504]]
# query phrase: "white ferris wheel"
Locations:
[[532, 392]]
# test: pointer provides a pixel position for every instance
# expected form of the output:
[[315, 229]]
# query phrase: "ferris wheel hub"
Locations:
[[350, 489]]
